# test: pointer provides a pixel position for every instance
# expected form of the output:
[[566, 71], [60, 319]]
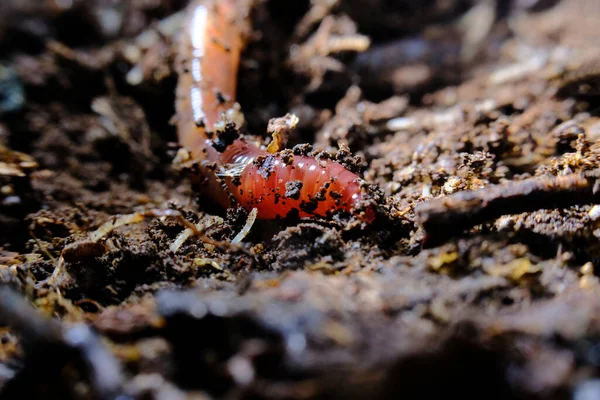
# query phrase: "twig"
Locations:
[[19, 315], [443, 217], [49, 346]]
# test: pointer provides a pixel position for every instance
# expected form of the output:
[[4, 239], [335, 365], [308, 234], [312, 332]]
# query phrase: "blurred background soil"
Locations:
[[479, 122]]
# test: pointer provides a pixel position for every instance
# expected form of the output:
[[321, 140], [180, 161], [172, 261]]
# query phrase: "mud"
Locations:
[[475, 123]]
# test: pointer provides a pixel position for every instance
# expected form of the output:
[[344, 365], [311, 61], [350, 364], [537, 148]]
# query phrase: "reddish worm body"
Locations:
[[209, 56]]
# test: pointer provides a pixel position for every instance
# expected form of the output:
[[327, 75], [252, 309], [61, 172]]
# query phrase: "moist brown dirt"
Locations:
[[477, 122]]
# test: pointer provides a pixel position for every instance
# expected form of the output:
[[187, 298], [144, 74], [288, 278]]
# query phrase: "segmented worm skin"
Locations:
[[208, 60]]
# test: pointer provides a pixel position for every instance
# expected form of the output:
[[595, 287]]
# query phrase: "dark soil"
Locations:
[[478, 121]]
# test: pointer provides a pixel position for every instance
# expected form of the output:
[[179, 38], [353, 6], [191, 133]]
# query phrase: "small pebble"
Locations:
[[594, 212], [12, 94], [589, 390]]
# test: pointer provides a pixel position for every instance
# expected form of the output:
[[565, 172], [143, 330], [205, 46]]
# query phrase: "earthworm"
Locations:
[[275, 184]]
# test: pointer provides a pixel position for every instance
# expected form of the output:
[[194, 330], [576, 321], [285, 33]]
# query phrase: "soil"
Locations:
[[476, 122]]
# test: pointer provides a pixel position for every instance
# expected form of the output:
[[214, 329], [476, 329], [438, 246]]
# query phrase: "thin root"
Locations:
[[246, 229]]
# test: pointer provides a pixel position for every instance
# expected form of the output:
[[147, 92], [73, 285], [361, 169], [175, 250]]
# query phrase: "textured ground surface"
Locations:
[[455, 289]]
